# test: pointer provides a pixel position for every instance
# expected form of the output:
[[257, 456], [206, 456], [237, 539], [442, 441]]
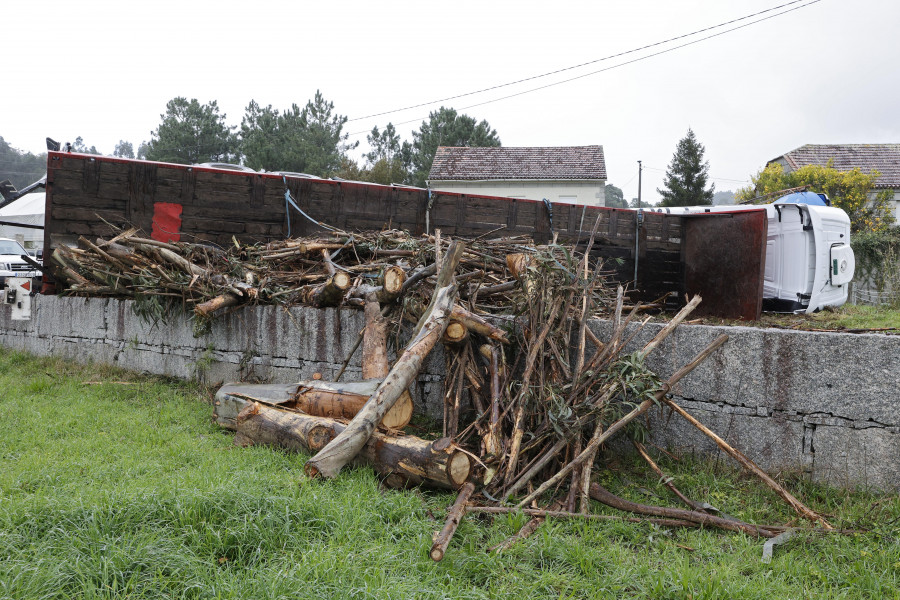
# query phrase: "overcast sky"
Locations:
[[826, 72]]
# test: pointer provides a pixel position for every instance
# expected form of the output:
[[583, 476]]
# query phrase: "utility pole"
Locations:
[[640, 168], [637, 225]]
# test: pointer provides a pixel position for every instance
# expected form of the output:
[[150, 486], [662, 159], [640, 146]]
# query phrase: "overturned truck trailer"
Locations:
[[809, 262], [673, 255]]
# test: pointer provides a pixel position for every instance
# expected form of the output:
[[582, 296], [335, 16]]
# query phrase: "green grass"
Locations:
[[130, 491], [848, 316]]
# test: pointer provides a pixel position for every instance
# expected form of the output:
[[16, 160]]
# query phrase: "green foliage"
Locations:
[[615, 198], [308, 140], [124, 150], [852, 191], [444, 127], [125, 489], [878, 263], [686, 177], [384, 161], [80, 146], [192, 133], [643, 203], [21, 168]]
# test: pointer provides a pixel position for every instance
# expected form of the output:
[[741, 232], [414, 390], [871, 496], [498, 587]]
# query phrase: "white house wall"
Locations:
[[590, 193]]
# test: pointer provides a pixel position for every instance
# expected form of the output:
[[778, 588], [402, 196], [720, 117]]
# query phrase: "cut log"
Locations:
[[329, 461], [478, 324], [493, 440], [456, 333], [375, 365], [391, 280], [335, 400], [329, 293], [403, 460], [204, 309]]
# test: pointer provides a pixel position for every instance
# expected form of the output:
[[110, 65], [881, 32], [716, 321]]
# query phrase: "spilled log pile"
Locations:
[[528, 406]]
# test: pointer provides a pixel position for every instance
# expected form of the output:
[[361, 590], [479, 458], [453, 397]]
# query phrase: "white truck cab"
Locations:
[[809, 261]]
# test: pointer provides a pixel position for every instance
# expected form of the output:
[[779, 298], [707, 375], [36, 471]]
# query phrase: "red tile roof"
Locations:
[[884, 158], [565, 162]]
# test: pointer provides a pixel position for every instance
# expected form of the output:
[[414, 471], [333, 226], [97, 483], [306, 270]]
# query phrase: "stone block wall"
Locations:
[[824, 404], [263, 343]]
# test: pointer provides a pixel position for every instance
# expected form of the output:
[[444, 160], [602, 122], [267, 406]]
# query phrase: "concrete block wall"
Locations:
[[263, 343], [825, 404], [821, 403]]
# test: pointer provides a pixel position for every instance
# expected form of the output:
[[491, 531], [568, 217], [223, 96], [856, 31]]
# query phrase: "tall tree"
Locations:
[[853, 191], [615, 198], [80, 146], [383, 144], [192, 133], [444, 127], [384, 160], [261, 134], [686, 177], [124, 150], [308, 140], [325, 143]]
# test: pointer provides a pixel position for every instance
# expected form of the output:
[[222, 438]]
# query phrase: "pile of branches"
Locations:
[[531, 394], [337, 269]]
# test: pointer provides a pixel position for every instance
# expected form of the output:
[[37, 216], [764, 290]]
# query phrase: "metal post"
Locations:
[[637, 225]]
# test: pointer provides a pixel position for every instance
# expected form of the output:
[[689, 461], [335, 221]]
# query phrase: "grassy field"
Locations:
[[114, 485]]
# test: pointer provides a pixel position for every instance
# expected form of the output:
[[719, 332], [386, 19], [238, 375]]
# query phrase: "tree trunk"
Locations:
[[335, 400], [329, 461], [403, 460], [375, 366]]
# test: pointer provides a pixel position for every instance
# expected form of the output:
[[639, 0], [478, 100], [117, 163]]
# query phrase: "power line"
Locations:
[[549, 85], [605, 58]]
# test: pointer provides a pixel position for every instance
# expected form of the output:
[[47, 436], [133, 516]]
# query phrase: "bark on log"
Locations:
[[329, 293], [375, 366], [454, 516], [478, 324], [539, 512], [601, 494], [329, 461], [403, 460], [331, 399], [204, 309]]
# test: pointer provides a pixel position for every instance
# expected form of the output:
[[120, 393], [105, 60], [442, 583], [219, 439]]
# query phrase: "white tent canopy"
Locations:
[[28, 210]]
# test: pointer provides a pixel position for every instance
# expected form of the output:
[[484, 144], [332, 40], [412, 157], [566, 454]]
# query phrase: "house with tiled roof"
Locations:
[[884, 158], [568, 174]]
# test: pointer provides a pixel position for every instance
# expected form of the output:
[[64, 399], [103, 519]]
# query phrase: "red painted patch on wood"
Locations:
[[166, 222]]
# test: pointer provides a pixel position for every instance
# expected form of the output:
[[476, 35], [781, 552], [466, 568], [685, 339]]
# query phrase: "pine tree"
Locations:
[[685, 183]]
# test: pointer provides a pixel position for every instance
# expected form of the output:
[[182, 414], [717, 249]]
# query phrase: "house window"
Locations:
[[568, 199]]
